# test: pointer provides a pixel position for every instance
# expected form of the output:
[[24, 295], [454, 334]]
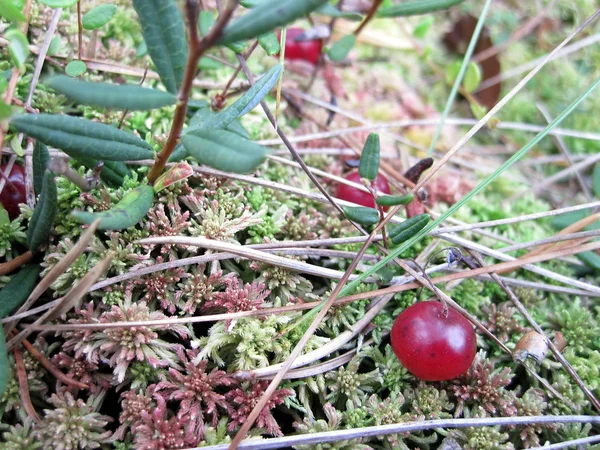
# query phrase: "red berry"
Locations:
[[431, 344], [357, 196], [13, 193], [301, 50]]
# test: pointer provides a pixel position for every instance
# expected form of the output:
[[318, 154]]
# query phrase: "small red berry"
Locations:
[[301, 50], [351, 194], [433, 344], [13, 193]]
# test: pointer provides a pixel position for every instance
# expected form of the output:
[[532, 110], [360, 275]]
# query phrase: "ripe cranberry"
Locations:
[[359, 197], [301, 50], [13, 193], [432, 345]]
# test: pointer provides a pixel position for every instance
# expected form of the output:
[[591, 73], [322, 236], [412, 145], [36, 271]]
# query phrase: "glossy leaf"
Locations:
[[369, 158], [4, 365], [43, 214], [362, 215], [174, 174], [75, 68], [340, 49], [179, 153], [392, 200], [246, 102], [164, 34], [18, 47], [596, 180], [18, 288], [98, 17], [224, 150], [81, 138], [416, 7], [40, 160], [206, 115], [11, 13], [132, 208], [409, 228], [266, 17], [269, 43], [107, 95], [329, 10], [58, 3]]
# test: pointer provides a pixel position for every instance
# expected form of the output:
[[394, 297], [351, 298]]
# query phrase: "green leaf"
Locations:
[[132, 208], [113, 172], [58, 3], [392, 200], [43, 214], [340, 49], [423, 27], [564, 220], [5, 110], [174, 174], [81, 138], [18, 47], [369, 158], [164, 33], [179, 153], [54, 46], [107, 95], [41, 158], [18, 288], [596, 180], [246, 102], [3, 84], [472, 76], [75, 68], [362, 215], [329, 10], [590, 259], [205, 114], [98, 17], [408, 228], [206, 63], [4, 365], [206, 20], [266, 17], [10, 12], [416, 7], [269, 43], [224, 150]]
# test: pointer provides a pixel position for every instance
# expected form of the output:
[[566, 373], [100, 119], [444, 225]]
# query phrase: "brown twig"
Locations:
[[14, 264], [374, 7], [79, 31], [197, 48], [21, 374]]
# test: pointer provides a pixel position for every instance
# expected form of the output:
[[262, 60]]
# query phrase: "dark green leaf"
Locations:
[[43, 214], [41, 157], [392, 200], [179, 153], [246, 102], [416, 7], [75, 68], [369, 158], [266, 17], [564, 220], [329, 10], [362, 215], [54, 46], [409, 228], [164, 33], [58, 3], [11, 13], [596, 180], [269, 43], [224, 150], [81, 138], [106, 95], [203, 115], [18, 288], [18, 47], [132, 208], [113, 172], [4, 365], [340, 49], [98, 16], [252, 3], [590, 259]]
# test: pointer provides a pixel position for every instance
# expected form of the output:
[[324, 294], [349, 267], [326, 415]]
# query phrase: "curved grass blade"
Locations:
[[392, 200], [18, 288], [164, 34], [416, 7], [362, 215], [134, 205], [369, 158], [107, 95], [408, 228], [81, 138], [266, 17], [40, 160], [43, 214], [224, 150]]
